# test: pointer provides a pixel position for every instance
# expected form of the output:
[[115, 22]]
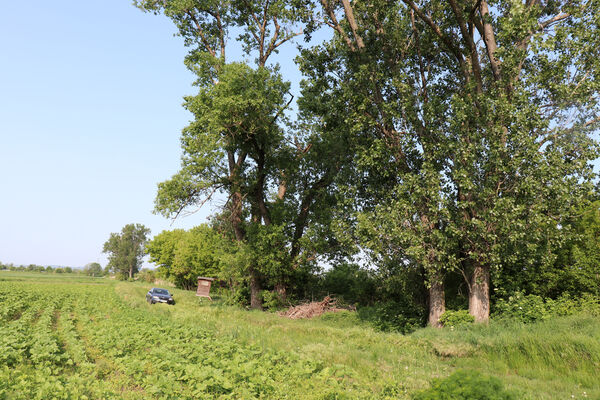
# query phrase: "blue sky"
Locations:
[[90, 117]]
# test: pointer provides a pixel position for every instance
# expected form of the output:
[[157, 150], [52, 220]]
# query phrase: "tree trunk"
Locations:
[[437, 302], [236, 216], [130, 272], [255, 297], [281, 290], [479, 293]]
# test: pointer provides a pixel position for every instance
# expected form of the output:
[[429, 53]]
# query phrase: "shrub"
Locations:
[[465, 385], [532, 308], [238, 295], [147, 275], [350, 283], [403, 317], [271, 300], [452, 318]]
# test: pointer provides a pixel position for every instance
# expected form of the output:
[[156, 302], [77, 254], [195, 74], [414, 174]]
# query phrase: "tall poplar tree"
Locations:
[[476, 120]]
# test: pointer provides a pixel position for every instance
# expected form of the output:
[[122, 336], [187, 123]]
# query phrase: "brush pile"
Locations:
[[314, 309]]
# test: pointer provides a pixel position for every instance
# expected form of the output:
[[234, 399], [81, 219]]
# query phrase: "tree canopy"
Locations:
[[182, 256], [447, 143], [126, 250]]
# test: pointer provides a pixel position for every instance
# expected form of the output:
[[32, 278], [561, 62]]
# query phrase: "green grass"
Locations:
[[335, 356]]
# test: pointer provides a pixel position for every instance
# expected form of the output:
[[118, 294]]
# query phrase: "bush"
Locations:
[[272, 300], [455, 319], [238, 295], [121, 276], [350, 283], [465, 385], [532, 308], [403, 317], [147, 275]]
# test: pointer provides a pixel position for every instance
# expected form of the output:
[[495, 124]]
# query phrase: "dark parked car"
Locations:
[[157, 295]]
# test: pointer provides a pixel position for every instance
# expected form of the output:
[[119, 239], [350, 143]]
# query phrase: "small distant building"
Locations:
[[204, 287]]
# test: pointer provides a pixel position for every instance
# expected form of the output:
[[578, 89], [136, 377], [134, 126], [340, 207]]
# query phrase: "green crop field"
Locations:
[[70, 337]]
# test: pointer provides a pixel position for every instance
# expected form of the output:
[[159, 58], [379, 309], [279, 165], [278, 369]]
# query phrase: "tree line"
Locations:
[[91, 269], [439, 153]]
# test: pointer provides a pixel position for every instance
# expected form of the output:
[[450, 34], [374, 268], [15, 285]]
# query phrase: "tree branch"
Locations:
[[352, 22], [436, 29], [336, 25], [487, 32], [201, 33], [468, 39]]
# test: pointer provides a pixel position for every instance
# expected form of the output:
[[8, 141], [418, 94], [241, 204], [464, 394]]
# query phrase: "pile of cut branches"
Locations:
[[313, 309]]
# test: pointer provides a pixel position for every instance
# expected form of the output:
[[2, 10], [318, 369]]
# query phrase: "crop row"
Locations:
[[39, 348], [83, 341]]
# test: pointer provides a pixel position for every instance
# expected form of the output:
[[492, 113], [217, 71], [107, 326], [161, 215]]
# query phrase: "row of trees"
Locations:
[[35, 268], [446, 144], [91, 269]]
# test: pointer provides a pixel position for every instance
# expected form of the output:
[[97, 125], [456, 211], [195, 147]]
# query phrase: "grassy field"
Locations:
[[74, 337]]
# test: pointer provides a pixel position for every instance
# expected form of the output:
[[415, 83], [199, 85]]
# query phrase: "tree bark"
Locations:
[[281, 289], [255, 298], [236, 216], [437, 303], [479, 293]]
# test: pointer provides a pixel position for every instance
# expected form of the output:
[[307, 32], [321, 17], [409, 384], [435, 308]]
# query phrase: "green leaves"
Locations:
[[182, 256], [126, 249]]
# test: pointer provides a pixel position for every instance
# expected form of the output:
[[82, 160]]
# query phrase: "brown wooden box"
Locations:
[[204, 286]]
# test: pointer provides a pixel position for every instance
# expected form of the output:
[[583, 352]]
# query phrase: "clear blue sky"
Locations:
[[90, 117]]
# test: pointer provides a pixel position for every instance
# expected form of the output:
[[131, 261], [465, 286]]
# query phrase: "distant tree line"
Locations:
[[439, 155], [36, 268], [91, 269]]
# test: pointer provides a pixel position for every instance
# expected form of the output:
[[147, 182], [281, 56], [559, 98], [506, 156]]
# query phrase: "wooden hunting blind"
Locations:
[[204, 287]]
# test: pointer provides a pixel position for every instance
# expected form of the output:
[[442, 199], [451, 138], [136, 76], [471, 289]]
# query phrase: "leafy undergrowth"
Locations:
[[91, 338]]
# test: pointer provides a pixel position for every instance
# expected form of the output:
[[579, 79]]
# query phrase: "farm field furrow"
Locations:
[[82, 341]]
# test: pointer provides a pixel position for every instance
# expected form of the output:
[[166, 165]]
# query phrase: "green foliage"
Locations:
[[237, 295], [404, 317], [182, 256], [465, 155], [93, 269], [454, 319], [532, 308], [271, 300], [267, 253], [578, 262], [349, 282], [434, 153], [126, 250], [466, 385], [147, 275]]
